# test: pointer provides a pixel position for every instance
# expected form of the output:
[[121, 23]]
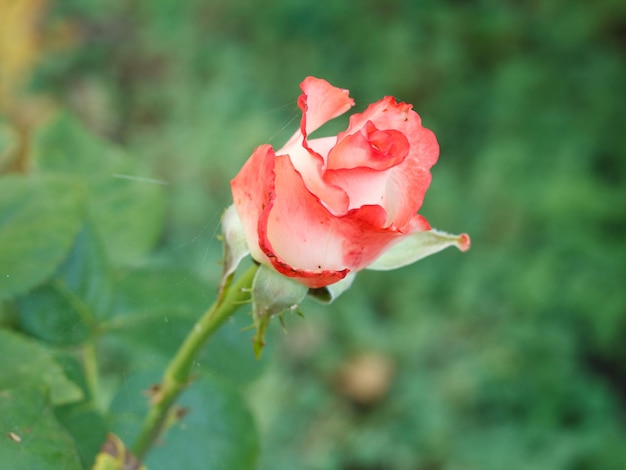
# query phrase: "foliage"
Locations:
[[510, 356]]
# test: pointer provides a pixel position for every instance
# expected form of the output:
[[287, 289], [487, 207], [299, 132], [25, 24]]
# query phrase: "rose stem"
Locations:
[[177, 374]]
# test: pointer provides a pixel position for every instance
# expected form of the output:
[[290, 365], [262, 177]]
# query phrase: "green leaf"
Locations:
[[85, 272], [82, 419], [39, 218], [128, 214], [216, 431], [53, 314], [86, 426], [67, 309], [31, 437], [126, 203], [27, 363], [154, 312]]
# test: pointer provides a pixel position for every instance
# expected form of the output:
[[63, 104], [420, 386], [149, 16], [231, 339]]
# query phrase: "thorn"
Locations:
[[181, 412]]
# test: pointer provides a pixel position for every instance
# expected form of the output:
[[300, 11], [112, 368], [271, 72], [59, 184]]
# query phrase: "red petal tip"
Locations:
[[464, 242]]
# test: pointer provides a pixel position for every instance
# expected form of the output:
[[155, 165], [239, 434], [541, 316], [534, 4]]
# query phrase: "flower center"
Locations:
[[369, 148]]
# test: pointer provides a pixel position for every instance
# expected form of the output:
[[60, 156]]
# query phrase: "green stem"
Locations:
[[90, 364], [177, 373]]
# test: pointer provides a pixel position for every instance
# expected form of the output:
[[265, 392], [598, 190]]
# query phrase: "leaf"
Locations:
[[86, 426], [27, 363], [153, 313], [418, 246], [68, 307], [126, 205], [85, 272], [39, 218], [127, 214], [217, 430], [53, 314], [31, 437]]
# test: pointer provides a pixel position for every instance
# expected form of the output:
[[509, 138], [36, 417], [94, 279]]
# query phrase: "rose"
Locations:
[[318, 209]]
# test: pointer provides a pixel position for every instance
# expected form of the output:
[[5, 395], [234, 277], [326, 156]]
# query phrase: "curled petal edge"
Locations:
[[418, 246]]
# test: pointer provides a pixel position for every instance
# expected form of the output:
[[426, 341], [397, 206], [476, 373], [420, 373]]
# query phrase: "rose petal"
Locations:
[[320, 102], [365, 186], [358, 164], [309, 163], [304, 240], [251, 190], [369, 148], [409, 180]]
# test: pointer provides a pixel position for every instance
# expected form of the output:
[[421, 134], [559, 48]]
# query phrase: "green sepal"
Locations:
[[272, 294], [235, 245], [328, 294], [418, 246]]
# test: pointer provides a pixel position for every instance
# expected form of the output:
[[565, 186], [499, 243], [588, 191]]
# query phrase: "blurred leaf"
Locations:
[[31, 437], [85, 273], [127, 213], [86, 426], [68, 307], [83, 420], [39, 217], [126, 205], [28, 363], [217, 430], [526, 101], [153, 313], [54, 314]]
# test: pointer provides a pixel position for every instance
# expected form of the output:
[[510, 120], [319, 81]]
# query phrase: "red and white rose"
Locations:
[[318, 209]]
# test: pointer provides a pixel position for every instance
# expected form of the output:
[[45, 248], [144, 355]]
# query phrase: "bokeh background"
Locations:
[[512, 355]]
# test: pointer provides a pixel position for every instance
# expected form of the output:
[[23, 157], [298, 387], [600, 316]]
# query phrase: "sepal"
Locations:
[[328, 294], [235, 245], [272, 294], [418, 246]]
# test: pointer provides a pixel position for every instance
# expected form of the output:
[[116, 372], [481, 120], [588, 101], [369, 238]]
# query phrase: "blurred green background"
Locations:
[[512, 355]]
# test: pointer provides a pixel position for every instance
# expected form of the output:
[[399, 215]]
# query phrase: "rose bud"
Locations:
[[318, 209]]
